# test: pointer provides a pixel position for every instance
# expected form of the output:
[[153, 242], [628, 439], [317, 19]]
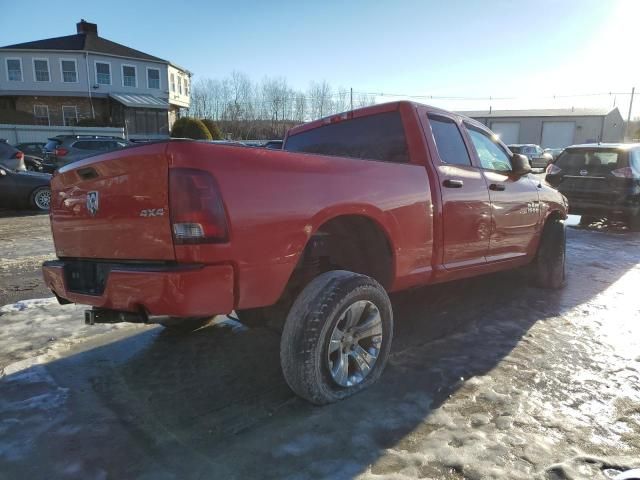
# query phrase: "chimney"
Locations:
[[87, 28]]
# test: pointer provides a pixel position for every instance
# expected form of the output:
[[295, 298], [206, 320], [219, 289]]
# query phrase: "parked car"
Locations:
[[554, 152], [11, 157], [380, 199], [33, 164], [600, 179], [24, 189], [274, 144], [34, 157], [537, 157], [65, 149], [35, 149]]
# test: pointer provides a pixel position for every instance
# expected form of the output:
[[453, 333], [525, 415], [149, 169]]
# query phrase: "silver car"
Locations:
[[537, 157], [70, 148], [11, 157]]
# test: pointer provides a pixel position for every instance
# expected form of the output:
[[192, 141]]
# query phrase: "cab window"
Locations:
[[449, 141], [491, 155]]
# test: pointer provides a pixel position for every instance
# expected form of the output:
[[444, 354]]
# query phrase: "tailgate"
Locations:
[[114, 206]]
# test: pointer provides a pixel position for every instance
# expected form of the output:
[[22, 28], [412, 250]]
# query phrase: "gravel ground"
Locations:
[[488, 378], [25, 242]]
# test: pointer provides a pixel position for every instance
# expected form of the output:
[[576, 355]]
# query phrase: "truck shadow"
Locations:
[[214, 404]]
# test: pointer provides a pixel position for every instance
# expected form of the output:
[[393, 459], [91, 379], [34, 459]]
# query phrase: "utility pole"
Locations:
[[633, 91], [351, 97]]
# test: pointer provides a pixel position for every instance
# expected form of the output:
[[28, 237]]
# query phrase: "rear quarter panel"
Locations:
[[276, 200]]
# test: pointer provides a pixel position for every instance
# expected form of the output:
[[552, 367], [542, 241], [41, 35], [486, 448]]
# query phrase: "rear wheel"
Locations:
[[185, 325], [337, 337], [41, 198], [548, 268]]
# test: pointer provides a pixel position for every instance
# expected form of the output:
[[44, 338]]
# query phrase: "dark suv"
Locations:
[[65, 149], [600, 180]]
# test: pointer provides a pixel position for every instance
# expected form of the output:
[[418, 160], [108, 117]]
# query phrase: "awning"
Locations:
[[139, 100]]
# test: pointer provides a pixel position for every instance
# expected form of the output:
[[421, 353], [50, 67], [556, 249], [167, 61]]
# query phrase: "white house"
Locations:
[[88, 80]]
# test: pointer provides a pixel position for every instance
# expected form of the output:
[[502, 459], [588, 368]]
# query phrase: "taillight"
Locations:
[[61, 152], [196, 209], [19, 155], [552, 169], [625, 172]]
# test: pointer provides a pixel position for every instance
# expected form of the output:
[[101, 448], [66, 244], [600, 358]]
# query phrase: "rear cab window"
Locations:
[[448, 140], [373, 137]]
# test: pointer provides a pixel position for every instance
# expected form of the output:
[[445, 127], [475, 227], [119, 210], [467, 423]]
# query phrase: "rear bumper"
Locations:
[[578, 207], [180, 291]]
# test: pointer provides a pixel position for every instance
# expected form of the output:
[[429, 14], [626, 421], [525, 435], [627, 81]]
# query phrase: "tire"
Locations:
[[41, 198], [324, 308], [549, 265], [185, 325]]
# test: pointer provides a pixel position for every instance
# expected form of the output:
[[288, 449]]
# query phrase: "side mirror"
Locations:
[[520, 165]]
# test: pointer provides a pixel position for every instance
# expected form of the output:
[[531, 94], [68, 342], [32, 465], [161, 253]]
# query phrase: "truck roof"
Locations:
[[372, 110]]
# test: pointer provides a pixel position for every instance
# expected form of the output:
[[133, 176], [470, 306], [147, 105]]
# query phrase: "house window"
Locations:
[[153, 78], [14, 69], [69, 71], [129, 76], [180, 85], [41, 114], [69, 115], [41, 70], [103, 73], [186, 87], [173, 83]]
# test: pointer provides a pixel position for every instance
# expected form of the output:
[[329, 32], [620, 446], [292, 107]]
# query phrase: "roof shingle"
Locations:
[[84, 42]]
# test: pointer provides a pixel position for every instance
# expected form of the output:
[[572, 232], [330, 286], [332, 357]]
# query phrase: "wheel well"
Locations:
[[349, 242], [555, 215]]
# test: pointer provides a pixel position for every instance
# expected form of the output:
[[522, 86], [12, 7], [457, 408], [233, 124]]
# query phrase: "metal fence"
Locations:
[[37, 133]]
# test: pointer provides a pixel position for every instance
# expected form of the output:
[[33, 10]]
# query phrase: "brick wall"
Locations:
[[26, 104]]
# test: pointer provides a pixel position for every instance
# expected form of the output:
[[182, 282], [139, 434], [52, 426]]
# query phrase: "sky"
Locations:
[[519, 53]]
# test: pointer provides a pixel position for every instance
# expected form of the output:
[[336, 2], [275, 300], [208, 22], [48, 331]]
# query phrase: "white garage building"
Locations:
[[553, 128]]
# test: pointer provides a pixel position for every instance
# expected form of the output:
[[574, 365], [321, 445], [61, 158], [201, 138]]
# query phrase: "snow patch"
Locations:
[[23, 305]]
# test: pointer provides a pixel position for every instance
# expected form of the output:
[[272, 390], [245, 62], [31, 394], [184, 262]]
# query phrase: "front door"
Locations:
[[466, 207], [515, 207]]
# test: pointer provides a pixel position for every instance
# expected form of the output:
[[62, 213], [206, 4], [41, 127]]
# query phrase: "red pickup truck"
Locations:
[[356, 205]]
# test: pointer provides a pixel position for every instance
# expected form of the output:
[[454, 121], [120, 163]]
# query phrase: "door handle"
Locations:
[[453, 183], [498, 187]]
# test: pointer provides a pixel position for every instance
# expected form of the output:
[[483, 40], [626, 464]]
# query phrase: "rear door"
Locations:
[[515, 206], [466, 207], [114, 206]]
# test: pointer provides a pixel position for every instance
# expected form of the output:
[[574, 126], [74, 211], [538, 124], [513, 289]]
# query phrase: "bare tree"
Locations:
[[247, 109]]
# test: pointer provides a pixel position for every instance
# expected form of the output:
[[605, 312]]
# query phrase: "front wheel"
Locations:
[[41, 198], [336, 337], [548, 268]]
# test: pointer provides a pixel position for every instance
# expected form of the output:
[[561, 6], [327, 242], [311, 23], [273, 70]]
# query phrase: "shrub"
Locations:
[[186, 127], [213, 128]]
